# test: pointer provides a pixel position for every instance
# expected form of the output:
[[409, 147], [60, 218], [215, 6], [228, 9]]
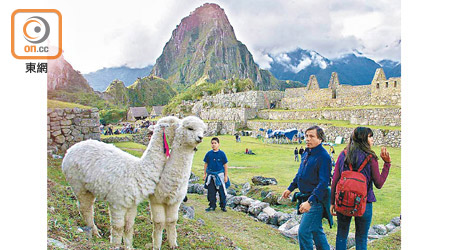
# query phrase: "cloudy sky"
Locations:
[[99, 34]]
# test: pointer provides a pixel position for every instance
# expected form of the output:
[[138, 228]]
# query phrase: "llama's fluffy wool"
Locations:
[[173, 184], [96, 169]]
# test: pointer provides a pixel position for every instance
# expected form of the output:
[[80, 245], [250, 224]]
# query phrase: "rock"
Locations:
[[188, 211], [56, 156], [283, 218], [256, 207], [264, 193], [271, 198], [201, 222], [269, 211], [241, 208], [55, 243], [193, 178], [56, 133], [237, 200], [294, 230], [284, 201], [380, 229], [245, 188], [196, 188], [259, 180], [246, 201], [263, 217], [351, 242], [231, 202], [372, 233], [288, 225], [231, 191], [390, 227], [396, 221]]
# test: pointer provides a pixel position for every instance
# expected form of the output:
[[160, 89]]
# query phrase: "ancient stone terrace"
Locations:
[[381, 91], [377, 104]]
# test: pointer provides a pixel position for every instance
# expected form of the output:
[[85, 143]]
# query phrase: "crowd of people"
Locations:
[[321, 192], [126, 128]]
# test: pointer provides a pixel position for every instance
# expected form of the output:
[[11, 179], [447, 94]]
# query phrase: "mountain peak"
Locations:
[[204, 48]]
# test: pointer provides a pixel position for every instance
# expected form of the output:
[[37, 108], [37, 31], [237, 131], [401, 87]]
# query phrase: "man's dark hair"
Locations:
[[320, 133], [215, 139]]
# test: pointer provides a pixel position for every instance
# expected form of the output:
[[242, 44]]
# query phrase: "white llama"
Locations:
[[98, 170], [172, 187]]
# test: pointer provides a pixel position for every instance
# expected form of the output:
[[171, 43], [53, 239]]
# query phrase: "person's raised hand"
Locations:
[[385, 155]]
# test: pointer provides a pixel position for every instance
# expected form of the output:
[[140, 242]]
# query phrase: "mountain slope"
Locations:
[[146, 91], [204, 48], [353, 69], [100, 79], [62, 76]]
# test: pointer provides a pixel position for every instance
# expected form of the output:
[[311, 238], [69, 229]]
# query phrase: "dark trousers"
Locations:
[[362, 226], [212, 195]]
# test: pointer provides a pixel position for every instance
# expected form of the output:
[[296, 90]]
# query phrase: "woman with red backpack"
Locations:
[[352, 187]]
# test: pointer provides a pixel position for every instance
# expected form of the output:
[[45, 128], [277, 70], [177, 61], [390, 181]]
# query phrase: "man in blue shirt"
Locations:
[[216, 175], [312, 179]]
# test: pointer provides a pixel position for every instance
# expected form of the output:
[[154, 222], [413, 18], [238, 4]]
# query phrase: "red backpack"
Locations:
[[351, 191]]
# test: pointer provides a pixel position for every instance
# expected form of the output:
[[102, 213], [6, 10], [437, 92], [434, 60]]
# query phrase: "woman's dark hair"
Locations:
[[359, 142], [215, 139]]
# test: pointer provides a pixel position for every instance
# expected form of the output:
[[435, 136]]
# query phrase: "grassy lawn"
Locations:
[[277, 161], [59, 104], [332, 109], [336, 123], [214, 230]]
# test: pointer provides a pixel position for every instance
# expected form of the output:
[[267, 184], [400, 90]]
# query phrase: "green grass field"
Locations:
[[218, 230], [59, 104], [277, 161]]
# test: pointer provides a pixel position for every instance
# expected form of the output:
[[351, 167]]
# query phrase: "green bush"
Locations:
[[110, 116]]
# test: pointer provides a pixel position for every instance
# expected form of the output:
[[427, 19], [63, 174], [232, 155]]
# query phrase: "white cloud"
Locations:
[[100, 34], [282, 58], [302, 65]]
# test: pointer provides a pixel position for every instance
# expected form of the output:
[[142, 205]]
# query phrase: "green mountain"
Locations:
[[203, 48], [146, 91]]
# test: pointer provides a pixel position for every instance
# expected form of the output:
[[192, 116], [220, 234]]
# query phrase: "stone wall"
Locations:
[[223, 127], [141, 137], [228, 114], [341, 96], [390, 138], [249, 99], [384, 92], [67, 126], [374, 116]]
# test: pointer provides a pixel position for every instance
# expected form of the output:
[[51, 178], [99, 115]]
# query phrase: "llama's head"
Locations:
[[170, 124], [191, 131]]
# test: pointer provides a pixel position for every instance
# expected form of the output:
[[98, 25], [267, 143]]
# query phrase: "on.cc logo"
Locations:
[[36, 30]]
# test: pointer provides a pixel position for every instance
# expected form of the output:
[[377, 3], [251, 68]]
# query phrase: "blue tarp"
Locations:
[[289, 133]]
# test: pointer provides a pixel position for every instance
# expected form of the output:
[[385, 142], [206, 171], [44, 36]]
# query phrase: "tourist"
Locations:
[[357, 151], [216, 175], [312, 179], [295, 154], [301, 151]]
